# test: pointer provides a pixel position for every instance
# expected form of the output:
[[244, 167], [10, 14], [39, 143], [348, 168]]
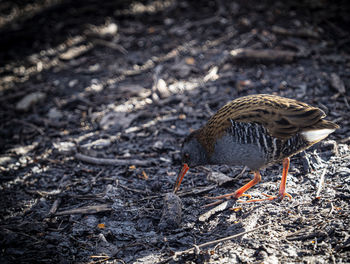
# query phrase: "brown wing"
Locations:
[[282, 117]]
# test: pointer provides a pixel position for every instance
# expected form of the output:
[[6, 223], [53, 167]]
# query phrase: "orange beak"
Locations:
[[180, 177]]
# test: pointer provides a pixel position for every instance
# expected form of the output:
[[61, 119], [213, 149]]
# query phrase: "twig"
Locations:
[[38, 129], [183, 193], [54, 207], [239, 175], [196, 247], [221, 207], [207, 108], [264, 54], [321, 183], [330, 211], [304, 32], [110, 45], [346, 102], [174, 132], [93, 209], [102, 259], [114, 162], [196, 190], [303, 237], [131, 189]]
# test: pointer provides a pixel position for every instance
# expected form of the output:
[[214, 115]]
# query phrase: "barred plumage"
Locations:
[[273, 149]]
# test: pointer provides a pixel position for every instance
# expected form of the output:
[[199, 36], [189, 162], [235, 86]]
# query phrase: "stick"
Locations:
[[93, 209], [114, 162], [221, 207], [38, 129], [321, 183], [264, 54], [131, 189], [110, 45], [193, 191], [196, 190], [196, 247], [239, 175], [331, 211], [305, 32], [54, 207]]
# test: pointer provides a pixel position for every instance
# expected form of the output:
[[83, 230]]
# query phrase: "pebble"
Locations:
[[337, 83], [29, 100], [54, 114], [65, 148], [218, 177], [172, 212]]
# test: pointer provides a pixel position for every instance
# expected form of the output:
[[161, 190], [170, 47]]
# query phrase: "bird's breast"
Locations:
[[249, 144], [240, 145], [230, 152]]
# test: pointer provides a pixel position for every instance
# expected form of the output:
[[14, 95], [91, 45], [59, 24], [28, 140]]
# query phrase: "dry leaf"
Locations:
[[144, 175], [190, 61], [101, 226]]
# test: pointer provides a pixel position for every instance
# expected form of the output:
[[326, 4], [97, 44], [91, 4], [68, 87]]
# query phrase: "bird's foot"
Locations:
[[269, 198], [220, 199], [228, 196]]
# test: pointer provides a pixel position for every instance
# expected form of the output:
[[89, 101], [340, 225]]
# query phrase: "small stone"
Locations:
[[158, 145], [4, 160], [109, 29], [65, 148], [172, 212], [218, 177], [73, 83], [99, 144], [54, 114], [134, 90], [337, 83], [30, 100], [163, 89], [212, 74], [169, 21], [182, 69], [117, 120], [75, 52]]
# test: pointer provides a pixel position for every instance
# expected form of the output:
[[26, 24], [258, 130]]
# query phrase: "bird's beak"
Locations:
[[180, 177]]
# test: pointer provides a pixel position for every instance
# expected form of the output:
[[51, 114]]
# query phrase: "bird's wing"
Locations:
[[282, 117]]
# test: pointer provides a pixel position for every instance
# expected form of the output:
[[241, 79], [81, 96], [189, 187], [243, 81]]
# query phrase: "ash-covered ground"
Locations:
[[96, 98]]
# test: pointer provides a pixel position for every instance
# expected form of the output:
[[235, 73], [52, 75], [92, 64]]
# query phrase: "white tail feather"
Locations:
[[317, 135]]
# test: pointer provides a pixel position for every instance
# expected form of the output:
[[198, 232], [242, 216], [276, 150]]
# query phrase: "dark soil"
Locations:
[[127, 81]]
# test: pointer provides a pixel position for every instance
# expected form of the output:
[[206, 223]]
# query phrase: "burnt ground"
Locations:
[[123, 82]]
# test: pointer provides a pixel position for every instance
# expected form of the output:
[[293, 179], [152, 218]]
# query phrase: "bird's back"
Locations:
[[270, 127]]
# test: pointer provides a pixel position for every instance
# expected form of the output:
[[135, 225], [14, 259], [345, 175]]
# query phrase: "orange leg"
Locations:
[[257, 177], [240, 191], [282, 192]]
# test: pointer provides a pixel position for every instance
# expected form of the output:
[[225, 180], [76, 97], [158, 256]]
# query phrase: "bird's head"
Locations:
[[193, 154]]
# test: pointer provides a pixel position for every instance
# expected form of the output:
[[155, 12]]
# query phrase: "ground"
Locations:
[[97, 97]]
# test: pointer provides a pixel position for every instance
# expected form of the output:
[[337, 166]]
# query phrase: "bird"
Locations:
[[255, 131]]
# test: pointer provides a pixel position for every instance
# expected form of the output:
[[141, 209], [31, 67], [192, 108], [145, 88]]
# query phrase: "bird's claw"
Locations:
[[269, 198]]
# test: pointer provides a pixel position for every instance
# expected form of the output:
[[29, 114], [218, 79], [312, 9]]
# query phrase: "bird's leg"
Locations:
[[240, 191], [282, 192]]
